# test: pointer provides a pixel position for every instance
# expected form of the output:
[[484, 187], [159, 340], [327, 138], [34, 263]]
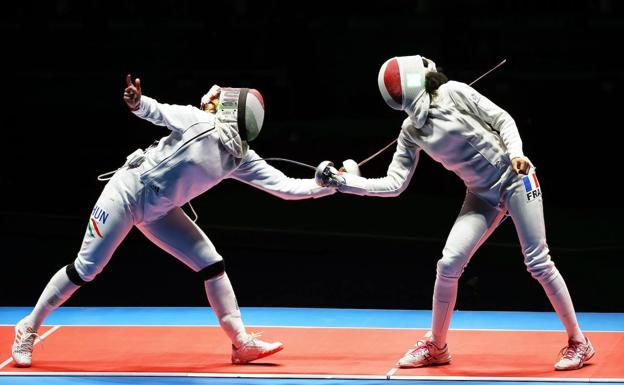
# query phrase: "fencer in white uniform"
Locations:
[[477, 140], [203, 148]]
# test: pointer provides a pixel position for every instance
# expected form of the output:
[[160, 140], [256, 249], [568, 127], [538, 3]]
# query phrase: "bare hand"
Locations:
[[210, 101], [520, 165], [211, 106], [132, 93]]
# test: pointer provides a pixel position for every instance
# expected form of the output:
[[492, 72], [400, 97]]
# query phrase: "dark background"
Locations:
[[64, 122]]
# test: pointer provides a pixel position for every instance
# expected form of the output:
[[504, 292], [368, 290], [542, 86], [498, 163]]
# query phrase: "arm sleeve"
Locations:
[[174, 117], [258, 173], [397, 177], [470, 100]]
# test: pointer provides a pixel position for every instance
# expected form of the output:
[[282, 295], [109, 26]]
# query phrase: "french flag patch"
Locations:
[[531, 186]]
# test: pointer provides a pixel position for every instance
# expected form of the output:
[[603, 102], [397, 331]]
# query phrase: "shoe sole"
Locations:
[[19, 365], [423, 365], [265, 354]]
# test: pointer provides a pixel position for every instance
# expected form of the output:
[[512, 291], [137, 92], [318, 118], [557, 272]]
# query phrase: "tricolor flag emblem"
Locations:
[[94, 229], [531, 186], [97, 216]]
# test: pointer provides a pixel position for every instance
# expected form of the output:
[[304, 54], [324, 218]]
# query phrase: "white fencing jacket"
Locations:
[[195, 156], [465, 132]]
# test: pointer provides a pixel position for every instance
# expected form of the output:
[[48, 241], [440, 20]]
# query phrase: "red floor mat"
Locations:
[[523, 354], [312, 351]]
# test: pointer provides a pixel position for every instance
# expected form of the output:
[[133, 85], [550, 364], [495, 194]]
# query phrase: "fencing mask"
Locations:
[[243, 106], [401, 82], [239, 117]]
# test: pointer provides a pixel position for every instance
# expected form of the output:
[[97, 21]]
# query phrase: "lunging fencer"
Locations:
[[477, 140], [204, 147]]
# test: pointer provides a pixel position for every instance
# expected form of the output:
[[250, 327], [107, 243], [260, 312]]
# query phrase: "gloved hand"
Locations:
[[326, 175], [351, 167]]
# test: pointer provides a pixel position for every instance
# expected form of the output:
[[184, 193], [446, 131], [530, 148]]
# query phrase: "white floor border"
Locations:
[[312, 376], [324, 327]]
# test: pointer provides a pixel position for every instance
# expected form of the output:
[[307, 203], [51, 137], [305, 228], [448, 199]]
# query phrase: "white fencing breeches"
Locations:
[[476, 221], [118, 209]]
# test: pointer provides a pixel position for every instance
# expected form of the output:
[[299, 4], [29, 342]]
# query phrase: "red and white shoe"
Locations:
[[25, 336], [254, 349], [575, 355], [425, 353]]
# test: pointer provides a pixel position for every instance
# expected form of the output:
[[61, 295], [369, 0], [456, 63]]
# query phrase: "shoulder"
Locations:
[[250, 155], [408, 133], [199, 112], [456, 88], [199, 116], [407, 124], [251, 159], [461, 93]]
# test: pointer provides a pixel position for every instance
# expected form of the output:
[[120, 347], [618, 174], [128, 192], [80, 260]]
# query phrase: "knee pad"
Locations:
[[211, 271], [73, 275]]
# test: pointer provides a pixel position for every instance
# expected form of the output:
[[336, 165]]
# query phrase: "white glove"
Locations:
[[326, 175], [351, 167]]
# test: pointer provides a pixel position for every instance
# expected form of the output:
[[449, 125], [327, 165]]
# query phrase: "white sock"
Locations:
[[223, 301], [444, 298], [559, 297], [58, 290]]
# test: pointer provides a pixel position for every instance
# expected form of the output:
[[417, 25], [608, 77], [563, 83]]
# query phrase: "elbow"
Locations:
[[294, 190], [398, 186], [294, 197], [394, 193], [285, 195], [387, 192], [389, 186]]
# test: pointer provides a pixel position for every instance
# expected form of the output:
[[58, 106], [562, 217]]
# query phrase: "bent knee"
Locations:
[[200, 256], [535, 251], [449, 268], [213, 270], [77, 273], [452, 263], [541, 267]]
